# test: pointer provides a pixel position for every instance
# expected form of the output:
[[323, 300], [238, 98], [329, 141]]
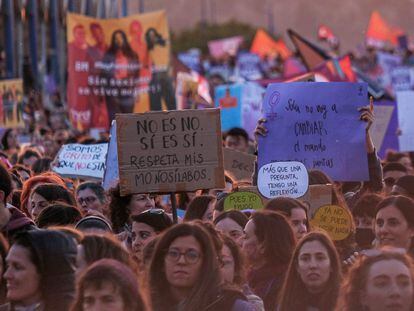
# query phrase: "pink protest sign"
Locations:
[[219, 48]]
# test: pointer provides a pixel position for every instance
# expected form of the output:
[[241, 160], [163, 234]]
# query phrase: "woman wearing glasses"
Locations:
[[185, 273]]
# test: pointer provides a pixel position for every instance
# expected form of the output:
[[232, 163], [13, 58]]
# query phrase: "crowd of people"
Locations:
[[67, 244]]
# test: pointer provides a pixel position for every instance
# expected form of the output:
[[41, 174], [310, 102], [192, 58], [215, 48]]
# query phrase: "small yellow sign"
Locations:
[[335, 220]]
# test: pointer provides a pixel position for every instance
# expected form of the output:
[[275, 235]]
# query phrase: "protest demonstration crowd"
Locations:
[[242, 178]]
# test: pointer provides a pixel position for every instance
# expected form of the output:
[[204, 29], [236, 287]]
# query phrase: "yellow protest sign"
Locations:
[[335, 220]]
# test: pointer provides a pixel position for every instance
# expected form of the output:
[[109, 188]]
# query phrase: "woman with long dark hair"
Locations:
[[40, 272], [314, 275], [120, 66], [185, 273], [268, 245]]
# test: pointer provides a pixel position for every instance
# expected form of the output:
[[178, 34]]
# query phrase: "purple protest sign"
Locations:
[[317, 124]]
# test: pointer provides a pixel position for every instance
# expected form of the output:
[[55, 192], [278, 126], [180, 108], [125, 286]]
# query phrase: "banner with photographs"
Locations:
[[117, 66]]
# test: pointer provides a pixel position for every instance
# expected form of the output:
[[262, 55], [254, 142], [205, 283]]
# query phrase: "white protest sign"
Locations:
[[283, 179], [405, 108], [83, 161]]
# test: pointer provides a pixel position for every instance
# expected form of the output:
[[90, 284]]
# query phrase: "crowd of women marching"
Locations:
[[68, 244]]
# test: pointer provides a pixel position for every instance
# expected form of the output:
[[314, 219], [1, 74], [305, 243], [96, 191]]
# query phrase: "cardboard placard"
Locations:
[[239, 164], [312, 123], [242, 200], [81, 161], [283, 179], [315, 197], [335, 220], [171, 151]]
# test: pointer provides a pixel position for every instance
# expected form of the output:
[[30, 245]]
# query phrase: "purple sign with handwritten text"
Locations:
[[317, 124]]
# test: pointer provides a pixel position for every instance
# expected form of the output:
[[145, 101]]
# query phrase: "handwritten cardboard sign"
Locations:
[[283, 179], [111, 176], [335, 220], [239, 164], [242, 200], [171, 151], [317, 124], [83, 161], [405, 110]]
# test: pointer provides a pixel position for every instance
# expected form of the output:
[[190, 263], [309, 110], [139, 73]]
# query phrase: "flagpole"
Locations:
[[9, 35]]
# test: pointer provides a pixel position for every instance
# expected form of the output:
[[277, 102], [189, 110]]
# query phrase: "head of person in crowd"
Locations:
[[295, 211], [9, 141], [58, 215], [237, 139], [28, 157], [219, 206], [400, 157], [41, 165], [32, 182], [184, 199], [391, 173], [317, 177], [97, 246], [71, 232], [404, 186], [268, 245], [122, 208], [147, 253], [232, 263], [40, 270], [22, 171], [394, 222], [91, 196], [145, 227], [232, 223], [17, 183], [184, 270], [200, 207], [314, 275], [108, 285], [93, 224], [50, 146], [379, 282], [46, 194], [364, 217]]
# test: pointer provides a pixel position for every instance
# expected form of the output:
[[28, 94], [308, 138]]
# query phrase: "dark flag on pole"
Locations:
[[311, 54]]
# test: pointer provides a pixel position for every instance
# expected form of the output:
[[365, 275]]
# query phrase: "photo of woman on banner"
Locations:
[[140, 47], [121, 69], [96, 53], [78, 71], [161, 84]]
